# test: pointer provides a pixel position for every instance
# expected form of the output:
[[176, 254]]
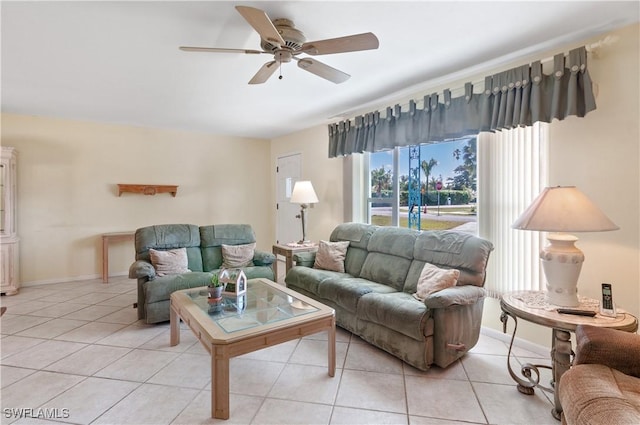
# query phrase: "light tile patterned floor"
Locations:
[[79, 346]]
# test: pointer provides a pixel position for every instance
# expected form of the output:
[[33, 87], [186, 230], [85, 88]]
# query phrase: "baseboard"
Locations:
[[522, 343], [69, 279]]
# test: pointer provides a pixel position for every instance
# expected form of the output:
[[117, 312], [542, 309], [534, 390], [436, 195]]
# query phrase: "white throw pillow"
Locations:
[[171, 261], [331, 255], [237, 256], [434, 279]]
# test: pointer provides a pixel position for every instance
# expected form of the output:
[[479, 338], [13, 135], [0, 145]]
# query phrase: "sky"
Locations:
[[441, 152]]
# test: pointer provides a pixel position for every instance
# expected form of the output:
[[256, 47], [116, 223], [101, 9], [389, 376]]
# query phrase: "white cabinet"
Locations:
[[9, 282]]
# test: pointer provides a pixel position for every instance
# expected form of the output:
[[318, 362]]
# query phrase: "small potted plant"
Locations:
[[215, 288]]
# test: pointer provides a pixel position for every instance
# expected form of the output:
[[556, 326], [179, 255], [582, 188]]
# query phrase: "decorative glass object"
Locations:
[[235, 281]]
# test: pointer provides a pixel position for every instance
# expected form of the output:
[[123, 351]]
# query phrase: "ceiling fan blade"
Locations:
[[264, 73], [350, 43], [219, 50], [260, 22], [323, 70]]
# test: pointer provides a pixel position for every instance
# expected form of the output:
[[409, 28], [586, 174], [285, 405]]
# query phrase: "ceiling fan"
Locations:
[[281, 39]]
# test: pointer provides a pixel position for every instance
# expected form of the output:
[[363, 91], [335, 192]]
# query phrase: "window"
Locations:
[[504, 173], [443, 181]]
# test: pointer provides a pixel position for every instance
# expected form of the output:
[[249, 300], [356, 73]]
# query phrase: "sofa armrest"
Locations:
[[456, 295], [619, 350], [263, 258], [306, 259], [142, 269]]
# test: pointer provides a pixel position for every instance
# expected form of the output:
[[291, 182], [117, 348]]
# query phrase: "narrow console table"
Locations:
[[532, 307], [108, 238]]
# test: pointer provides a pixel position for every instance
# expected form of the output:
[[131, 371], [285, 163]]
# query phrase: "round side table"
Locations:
[[533, 307]]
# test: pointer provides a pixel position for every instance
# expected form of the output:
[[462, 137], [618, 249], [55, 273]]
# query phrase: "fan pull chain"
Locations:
[[280, 70]]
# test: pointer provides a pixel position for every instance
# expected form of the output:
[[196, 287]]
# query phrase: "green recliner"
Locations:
[[204, 252]]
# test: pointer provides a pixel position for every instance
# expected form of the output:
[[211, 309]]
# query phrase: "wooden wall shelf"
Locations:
[[147, 189]]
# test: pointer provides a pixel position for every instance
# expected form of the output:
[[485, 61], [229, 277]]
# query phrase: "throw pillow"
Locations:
[[171, 261], [237, 256], [433, 279], [330, 256]]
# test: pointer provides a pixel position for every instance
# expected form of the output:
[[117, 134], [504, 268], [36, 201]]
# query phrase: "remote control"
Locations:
[[589, 313]]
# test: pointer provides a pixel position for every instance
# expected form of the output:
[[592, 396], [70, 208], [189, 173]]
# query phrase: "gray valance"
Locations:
[[517, 97]]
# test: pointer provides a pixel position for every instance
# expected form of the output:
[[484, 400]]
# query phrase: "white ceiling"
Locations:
[[118, 62]]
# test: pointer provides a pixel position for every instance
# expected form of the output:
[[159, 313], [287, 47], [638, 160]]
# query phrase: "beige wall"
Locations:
[[67, 193], [325, 175]]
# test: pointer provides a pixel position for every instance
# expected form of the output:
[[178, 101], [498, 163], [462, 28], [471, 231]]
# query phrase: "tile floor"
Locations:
[[76, 351]]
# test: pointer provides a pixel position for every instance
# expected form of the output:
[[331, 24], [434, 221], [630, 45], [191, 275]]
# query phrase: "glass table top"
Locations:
[[262, 304]]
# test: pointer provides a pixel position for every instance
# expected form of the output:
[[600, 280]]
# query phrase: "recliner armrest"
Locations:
[[456, 295], [619, 350], [142, 269], [263, 258], [306, 259]]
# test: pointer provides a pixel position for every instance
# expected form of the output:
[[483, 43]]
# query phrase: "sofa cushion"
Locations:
[[170, 261], [597, 394], [346, 291], [160, 289], [398, 311], [449, 249], [358, 235], [308, 279], [170, 236], [386, 269], [330, 256], [237, 256], [390, 254], [434, 279], [214, 236]]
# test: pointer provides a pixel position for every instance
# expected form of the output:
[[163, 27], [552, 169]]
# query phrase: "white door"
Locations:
[[288, 227]]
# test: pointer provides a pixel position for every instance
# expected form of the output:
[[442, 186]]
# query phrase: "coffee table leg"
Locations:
[[174, 326], [332, 347], [219, 385]]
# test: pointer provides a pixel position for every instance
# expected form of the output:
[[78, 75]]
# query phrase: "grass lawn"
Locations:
[[461, 210], [425, 224]]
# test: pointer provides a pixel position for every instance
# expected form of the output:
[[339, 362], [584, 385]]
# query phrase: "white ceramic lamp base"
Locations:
[[562, 262]]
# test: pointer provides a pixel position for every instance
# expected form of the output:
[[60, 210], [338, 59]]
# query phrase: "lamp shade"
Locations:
[[563, 209], [303, 193]]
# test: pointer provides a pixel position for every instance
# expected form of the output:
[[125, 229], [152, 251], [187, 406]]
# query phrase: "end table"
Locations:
[[532, 307], [287, 252]]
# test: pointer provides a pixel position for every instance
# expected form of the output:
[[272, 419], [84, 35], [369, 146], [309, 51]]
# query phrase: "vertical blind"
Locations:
[[512, 171]]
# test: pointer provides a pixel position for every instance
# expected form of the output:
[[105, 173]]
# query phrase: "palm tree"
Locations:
[[380, 180], [427, 167]]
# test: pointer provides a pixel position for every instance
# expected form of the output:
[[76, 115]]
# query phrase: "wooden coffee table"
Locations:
[[268, 314]]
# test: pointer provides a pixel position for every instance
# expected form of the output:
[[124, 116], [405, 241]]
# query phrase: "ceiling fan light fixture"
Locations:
[[283, 56]]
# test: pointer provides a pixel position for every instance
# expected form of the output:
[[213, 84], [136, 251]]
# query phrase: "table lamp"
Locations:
[[304, 195], [558, 210]]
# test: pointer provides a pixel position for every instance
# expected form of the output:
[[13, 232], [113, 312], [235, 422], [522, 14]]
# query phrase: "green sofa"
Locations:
[[373, 298], [204, 251]]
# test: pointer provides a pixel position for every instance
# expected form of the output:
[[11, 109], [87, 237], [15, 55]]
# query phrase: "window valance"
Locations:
[[515, 98]]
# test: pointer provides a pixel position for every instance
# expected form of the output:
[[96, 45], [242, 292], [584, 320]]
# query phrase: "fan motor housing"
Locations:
[[293, 37]]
